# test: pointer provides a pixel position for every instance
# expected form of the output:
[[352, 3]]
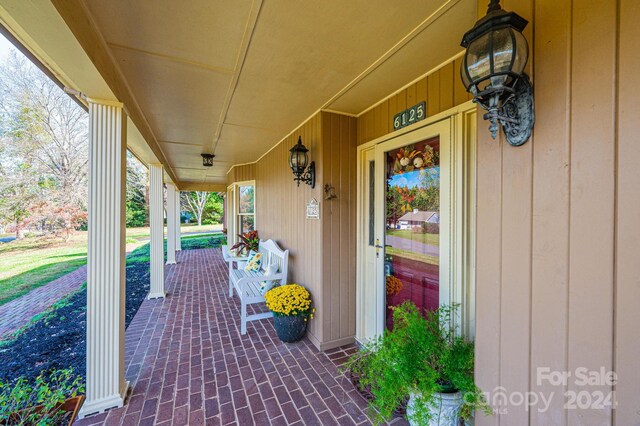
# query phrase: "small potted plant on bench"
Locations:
[[249, 241], [423, 361], [54, 399], [291, 307]]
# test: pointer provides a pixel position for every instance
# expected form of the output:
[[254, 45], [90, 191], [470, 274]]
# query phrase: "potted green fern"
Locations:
[[424, 360]]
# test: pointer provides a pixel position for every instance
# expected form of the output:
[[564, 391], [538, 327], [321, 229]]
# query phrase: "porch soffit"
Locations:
[[42, 31], [234, 78]]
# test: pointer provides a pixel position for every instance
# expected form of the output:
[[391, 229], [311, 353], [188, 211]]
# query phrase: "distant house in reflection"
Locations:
[[417, 218]]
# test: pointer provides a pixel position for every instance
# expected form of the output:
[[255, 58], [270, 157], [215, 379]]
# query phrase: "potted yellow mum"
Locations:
[[291, 307]]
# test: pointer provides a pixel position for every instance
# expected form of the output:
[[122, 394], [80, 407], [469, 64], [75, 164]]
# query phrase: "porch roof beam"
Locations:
[[202, 186], [75, 15]]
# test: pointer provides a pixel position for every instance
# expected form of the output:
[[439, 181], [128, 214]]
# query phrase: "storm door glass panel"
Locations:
[[412, 234], [372, 204], [246, 208]]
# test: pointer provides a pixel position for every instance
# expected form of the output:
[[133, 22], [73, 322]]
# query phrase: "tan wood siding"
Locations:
[[280, 214], [551, 186], [557, 219], [627, 272], [241, 173], [322, 252], [441, 89], [339, 227]]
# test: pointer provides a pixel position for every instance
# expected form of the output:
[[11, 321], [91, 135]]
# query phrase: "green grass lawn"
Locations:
[[434, 260], [33, 262], [431, 239], [144, 233]]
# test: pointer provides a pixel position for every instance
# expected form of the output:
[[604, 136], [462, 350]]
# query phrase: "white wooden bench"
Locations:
[[230, 259], [247, 283]]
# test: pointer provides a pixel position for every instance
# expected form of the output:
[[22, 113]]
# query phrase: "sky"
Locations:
[[412, 179], [5, 47], [406, 180]]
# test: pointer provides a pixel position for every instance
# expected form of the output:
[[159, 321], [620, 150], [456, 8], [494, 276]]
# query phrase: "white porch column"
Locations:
[[156, 222], [106, 387], [171, 224], [178, 231]]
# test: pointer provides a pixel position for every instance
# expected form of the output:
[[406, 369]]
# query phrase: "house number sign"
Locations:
[[410, 116], [313, 209]]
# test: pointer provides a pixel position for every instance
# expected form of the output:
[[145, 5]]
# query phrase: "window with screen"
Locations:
[[246, 208]]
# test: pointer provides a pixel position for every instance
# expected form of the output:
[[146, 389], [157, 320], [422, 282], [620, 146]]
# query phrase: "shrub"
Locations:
[[431, 228], [421, 356], [22, 403]]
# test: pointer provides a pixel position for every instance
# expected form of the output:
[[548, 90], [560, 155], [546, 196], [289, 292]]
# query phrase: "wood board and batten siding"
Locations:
[[280, 211], [558, 232], [626, 359], [339, 227], [322, 252], [241, 173], [441, 89]]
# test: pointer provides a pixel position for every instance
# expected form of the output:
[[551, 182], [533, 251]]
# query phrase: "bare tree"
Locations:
[[43, 144], [46, 125], [195, 202]]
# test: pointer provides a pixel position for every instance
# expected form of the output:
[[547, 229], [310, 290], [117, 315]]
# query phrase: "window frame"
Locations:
[[234, 217]]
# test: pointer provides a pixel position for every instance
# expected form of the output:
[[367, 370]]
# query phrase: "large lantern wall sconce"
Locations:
[[298, 160], [493, 72]]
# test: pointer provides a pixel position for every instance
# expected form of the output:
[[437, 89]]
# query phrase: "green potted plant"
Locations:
[[54, 399], [291, 307], [249, 241], [424, 360]]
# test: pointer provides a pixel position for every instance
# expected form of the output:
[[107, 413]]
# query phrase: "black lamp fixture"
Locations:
[[207, 160], [298, 160], [493, 72]]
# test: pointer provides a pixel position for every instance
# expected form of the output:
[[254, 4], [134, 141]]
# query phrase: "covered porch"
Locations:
[[537, 243], [187, 363]]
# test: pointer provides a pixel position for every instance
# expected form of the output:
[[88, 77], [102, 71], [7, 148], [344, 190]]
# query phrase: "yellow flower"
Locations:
[[290, 299]]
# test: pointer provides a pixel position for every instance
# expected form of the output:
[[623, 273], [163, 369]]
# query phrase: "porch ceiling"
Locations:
[[235, 77]]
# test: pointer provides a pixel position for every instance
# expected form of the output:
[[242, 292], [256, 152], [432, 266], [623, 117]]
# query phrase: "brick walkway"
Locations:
[[188, 364], [19, 312]]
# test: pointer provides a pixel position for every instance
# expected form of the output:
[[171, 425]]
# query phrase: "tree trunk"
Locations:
[[17, 229]]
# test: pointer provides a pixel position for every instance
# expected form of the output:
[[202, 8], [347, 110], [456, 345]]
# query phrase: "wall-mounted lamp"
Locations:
[[298, 160], [493, 72], [207, 160]]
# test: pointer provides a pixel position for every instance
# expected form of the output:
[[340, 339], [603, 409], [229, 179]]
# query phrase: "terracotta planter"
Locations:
[[290, 328], [71, 406]]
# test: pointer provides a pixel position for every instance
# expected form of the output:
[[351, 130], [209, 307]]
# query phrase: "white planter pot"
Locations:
[[444, 410], [241, 264]]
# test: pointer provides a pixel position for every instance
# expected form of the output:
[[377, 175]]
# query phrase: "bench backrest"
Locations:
[[272, 253]]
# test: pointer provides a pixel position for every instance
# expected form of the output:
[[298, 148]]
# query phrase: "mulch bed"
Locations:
[[58, 339]]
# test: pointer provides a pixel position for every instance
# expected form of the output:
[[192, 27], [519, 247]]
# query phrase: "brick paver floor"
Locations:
[[188, 364], [19, 312]]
